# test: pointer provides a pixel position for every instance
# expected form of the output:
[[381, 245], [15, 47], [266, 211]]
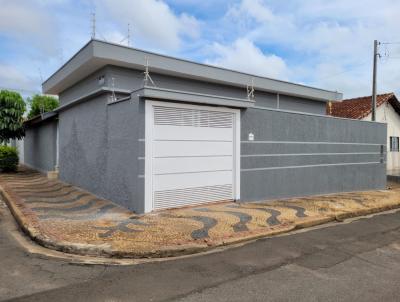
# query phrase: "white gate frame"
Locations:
[[149, 127]]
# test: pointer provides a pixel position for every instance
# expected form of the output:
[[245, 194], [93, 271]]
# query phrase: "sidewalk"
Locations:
[[66, 218]]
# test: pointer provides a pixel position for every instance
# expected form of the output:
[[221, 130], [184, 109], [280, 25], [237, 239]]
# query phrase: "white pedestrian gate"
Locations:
[[192, 154]]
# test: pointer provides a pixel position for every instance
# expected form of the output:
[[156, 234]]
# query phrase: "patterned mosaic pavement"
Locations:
[[67, 218]]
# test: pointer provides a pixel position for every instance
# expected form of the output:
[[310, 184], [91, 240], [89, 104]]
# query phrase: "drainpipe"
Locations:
[[57, 146]]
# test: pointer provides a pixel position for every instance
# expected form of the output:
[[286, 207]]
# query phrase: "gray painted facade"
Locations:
[[297, 150], [298, 154], [126, 80], [293, 154], [100, 147], [40, 145]]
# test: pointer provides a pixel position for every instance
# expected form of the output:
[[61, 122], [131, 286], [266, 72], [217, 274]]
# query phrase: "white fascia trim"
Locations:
[[310, 166], [148, 151], [309, 143]]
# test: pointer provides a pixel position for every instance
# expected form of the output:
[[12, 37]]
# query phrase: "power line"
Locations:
[[345, 71], [101, 36], [386, 56]]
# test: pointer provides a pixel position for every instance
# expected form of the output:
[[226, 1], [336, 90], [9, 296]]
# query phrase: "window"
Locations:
[[394, 144], [101, 80]]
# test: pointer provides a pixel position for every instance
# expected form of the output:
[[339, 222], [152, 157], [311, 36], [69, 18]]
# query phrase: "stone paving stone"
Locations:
[[67, 218]]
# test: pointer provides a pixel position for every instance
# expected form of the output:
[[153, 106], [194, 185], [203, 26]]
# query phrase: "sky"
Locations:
[[325, 44]]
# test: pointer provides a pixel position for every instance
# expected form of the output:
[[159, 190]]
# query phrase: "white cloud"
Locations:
[[326, 44], [27, 22], [317, 34], [254, 9], [154, 23], [244, 56], [12, 77], [115, 37]]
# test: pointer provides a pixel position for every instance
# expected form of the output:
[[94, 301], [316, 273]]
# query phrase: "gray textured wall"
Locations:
[[86, 86], [99, 149], [291, 103], [133, 79], [102, 146], [40, 146], [310, 169], [130, 79], [102, 150]]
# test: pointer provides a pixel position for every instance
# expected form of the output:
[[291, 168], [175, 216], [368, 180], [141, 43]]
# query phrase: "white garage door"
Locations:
[[193, 154]]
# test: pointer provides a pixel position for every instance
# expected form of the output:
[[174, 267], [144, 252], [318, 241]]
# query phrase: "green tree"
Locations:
[[12, 109], [41, 103]]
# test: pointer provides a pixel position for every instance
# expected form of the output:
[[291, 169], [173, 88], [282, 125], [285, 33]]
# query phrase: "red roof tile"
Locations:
[[359, 108]]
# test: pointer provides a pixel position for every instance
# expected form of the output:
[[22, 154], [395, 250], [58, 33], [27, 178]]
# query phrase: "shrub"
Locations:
[[8, 158]]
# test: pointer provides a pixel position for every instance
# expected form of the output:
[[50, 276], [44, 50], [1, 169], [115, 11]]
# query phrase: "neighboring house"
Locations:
[[196, 135], [387, 111]]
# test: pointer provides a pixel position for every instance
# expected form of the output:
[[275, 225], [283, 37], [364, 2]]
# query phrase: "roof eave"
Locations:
[[96, 54], [40, 118]]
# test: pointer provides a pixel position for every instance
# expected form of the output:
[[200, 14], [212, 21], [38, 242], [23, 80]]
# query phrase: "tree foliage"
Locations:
[[41, 103], [12, 109]]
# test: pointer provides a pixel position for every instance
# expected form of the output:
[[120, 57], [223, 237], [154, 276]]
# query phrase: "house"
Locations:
[[150, 132], [387, 111]]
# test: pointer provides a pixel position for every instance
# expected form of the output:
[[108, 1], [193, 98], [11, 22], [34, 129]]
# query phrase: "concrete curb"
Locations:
[[363, 212], [17, 208], [20, 213]]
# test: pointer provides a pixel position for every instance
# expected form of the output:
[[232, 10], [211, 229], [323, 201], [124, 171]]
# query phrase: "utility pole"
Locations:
[[376, 55]]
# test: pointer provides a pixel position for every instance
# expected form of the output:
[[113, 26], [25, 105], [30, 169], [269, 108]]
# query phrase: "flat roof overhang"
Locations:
[[97, 54], [40, 118], [163, 94]]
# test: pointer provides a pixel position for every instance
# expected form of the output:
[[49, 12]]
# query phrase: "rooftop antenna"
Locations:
[[41, 103], [93, 25], [128, 37], [147, 76], [250, 90], [113, 97]]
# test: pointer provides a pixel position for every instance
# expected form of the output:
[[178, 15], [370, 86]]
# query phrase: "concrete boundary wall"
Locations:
[[297, 154], [102, 149], [40, 145], [292, 154]]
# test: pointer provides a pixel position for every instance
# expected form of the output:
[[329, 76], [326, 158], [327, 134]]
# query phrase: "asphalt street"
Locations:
[[357, 261]]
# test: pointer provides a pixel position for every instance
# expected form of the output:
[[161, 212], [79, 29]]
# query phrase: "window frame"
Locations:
[[394, 144]]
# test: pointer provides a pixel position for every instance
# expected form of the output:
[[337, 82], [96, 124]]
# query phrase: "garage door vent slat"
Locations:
[[190, 196], [169, 116]]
